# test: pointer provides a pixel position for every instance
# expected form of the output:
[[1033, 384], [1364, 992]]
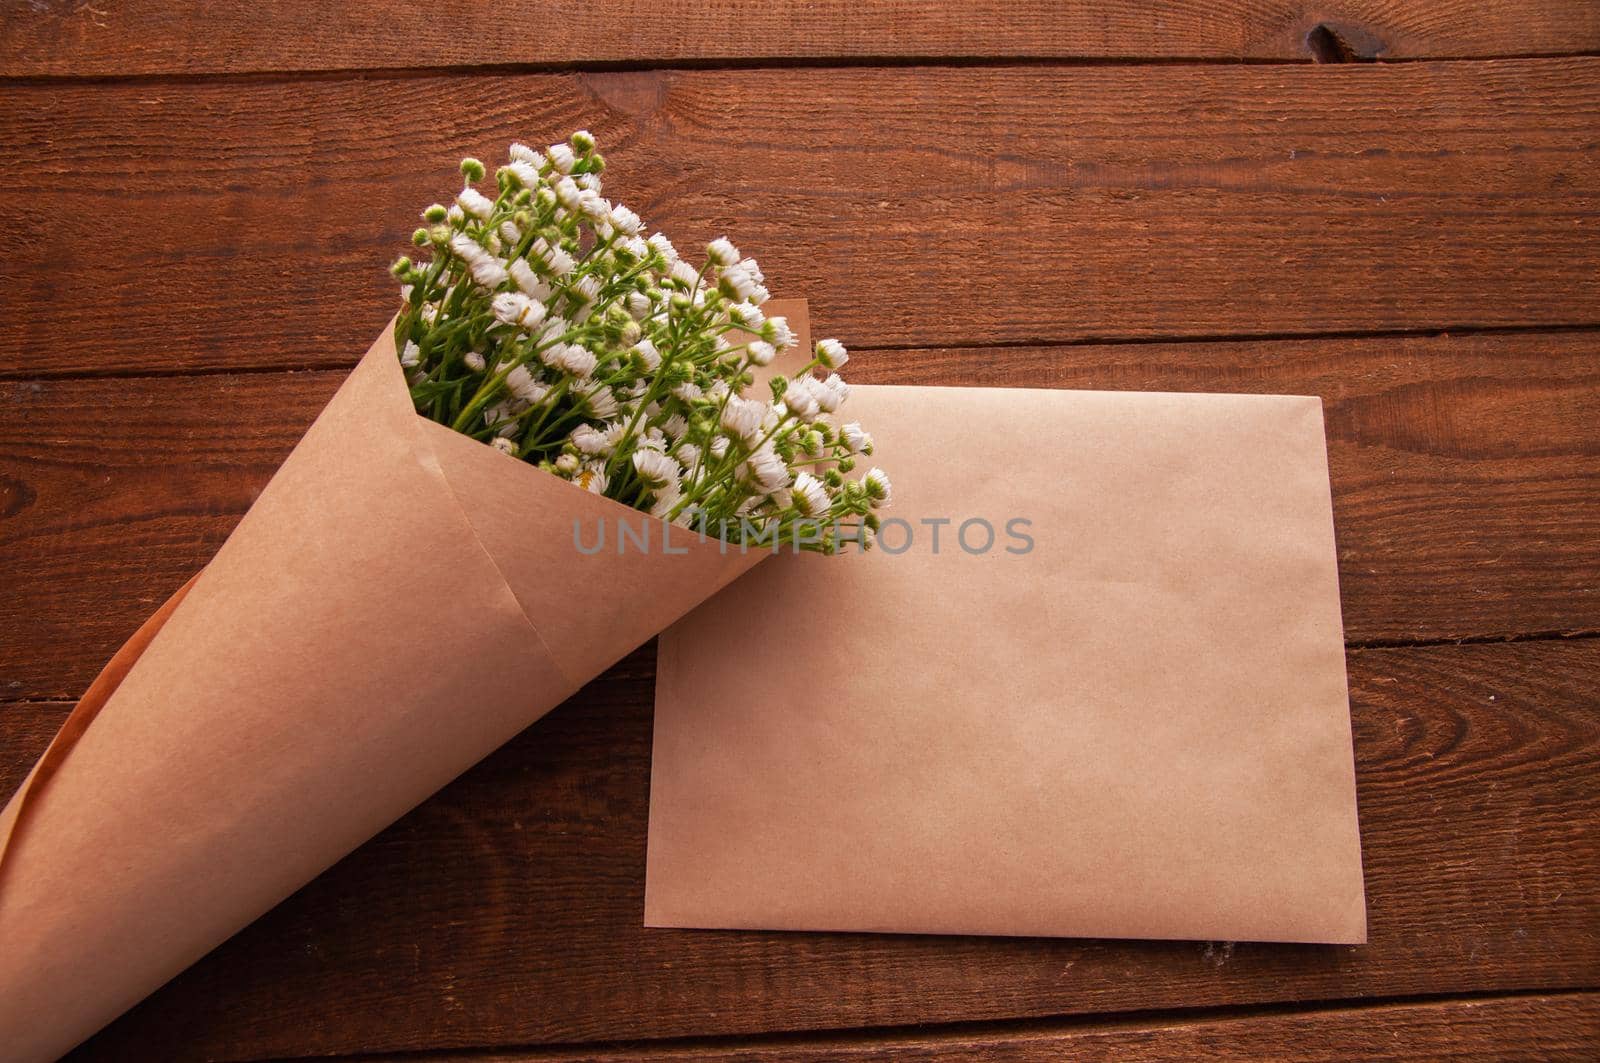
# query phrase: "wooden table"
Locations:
[[200, 203]]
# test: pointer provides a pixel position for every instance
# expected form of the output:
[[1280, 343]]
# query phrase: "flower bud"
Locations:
[[435, 213], [401, 267], [421, 237], [472, 169]]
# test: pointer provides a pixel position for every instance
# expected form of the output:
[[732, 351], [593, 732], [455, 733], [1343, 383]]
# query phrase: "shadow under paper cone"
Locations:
[[399, 602]]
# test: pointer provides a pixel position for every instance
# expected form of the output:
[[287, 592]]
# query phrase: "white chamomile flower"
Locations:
[[721, 252], [634, 247], [776, 331], [655, 468], [809, 496], [647, 354], [474, 361], [743, 417], [876, 482], [625, 220], [410, 355], [768, 470], [514, 308], [801, 397], [639, 305], [747, 315], [596, 442], [688, 391], [663, 247], [667, 498], [556, 259], [455, 215], [567, 464], [568, 194], [736, 283], [684, 274], [761, 352], [595, 206], [525, 386], [502, 417], [831, 393], [576, 359], [525, 173], [562, 157], [523, 153], [831, 354], [484, 267], [601, 403], [475, 203], [856, 438], [504, 445], [587, 290], [592, 478], [528, 281]]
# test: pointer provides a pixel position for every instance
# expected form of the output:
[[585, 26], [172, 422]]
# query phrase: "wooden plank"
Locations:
[[187, 36], [1549, 1029], [506, 911], [1466, 475], [179, 226]]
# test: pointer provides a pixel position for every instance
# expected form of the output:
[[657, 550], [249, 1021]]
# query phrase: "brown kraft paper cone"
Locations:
[[399, 601]]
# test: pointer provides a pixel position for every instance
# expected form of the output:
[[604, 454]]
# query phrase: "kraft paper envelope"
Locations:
[[1139, 727]]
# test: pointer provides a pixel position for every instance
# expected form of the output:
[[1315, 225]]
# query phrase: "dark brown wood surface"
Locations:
[[202, 200], [1466, 476], [1549, 1029], [74, 38], [248, 223], [506, 910]]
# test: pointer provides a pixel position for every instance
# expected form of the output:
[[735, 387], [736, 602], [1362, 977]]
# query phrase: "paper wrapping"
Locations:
[[398, 602], [1140, 728]]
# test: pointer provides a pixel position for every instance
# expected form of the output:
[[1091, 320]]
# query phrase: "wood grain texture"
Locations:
[[1466, 476], [245, 224], [506, 911], [65, 38], [1549, 1029]]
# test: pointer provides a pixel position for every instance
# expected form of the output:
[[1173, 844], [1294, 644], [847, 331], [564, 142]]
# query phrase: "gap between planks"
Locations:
[[889, 1037], [475, 70], [1431, 332]]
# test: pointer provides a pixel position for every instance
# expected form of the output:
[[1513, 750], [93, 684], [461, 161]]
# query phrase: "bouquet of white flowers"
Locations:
[[403, 597], [549, 327]]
